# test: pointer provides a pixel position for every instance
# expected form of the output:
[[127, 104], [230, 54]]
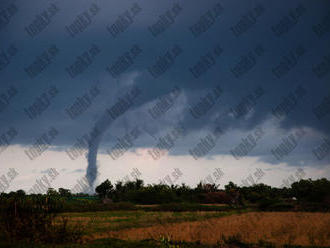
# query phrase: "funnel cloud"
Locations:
[[101, 126]]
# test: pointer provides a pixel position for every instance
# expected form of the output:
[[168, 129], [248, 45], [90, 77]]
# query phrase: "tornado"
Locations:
[[101, 126], [96, 136]]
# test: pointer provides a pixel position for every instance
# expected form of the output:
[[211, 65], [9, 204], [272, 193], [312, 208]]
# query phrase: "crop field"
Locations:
[[258, 216], [95, 223], [208, 229]]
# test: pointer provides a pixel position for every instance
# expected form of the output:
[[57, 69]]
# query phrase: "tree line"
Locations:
[[136, 192]]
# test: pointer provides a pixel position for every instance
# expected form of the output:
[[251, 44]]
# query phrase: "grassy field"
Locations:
[[276, 227], [100, 222], [207, 228], [235, 228]]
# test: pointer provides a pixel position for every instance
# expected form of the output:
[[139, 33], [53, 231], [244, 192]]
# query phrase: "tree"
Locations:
[[316, 191], [52, 192], [206, 187], [105, 189], [20, 193], [231, 186], [233, 191], [64, 192], [138, 184]]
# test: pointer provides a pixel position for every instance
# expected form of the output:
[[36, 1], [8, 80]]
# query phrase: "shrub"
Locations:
[[265, 203], [216, 197], [281, 206], [235, 240], [182, 207], [32, 219]]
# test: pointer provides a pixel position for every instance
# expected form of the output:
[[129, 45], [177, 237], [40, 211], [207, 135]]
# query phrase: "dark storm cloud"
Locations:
[[256, 56]]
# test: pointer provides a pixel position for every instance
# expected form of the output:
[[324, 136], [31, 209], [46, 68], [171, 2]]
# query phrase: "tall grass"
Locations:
[[32, 220], [281, 228]]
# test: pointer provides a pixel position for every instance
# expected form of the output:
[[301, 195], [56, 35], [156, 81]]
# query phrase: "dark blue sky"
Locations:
[[278, 47]]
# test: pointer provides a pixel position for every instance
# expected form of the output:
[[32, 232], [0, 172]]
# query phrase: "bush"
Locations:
[[84, 205], [216, 197], [121, 206], [235, 240], [32, 219], [182, 207], [266, 203], [281, 206], [313, 207]]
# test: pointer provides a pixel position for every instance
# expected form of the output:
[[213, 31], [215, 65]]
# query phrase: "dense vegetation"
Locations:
[[35, 217], [310, 194]]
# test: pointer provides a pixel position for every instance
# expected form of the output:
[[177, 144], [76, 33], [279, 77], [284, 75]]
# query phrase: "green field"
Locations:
[[96, 222], [172, 217], [100, 229]]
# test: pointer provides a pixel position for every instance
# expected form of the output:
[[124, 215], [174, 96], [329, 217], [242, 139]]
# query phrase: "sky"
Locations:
[[165, 91]]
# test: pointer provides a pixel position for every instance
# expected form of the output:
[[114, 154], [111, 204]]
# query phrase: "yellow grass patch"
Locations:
[[277, 227], [84, 219]]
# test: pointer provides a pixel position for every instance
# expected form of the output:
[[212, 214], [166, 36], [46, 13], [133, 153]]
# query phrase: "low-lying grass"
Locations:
[[96, 223], [181, 207], [293, 228], [194, 229]]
